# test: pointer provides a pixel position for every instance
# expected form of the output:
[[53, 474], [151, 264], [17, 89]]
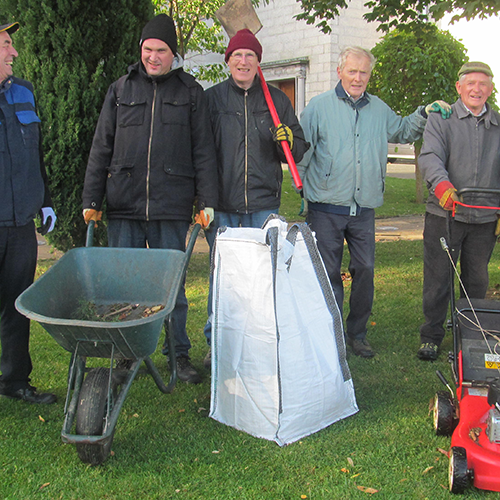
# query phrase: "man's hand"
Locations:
[[446, 194], [204, 217], [439, 107], [91, 214], [48, 217], [283, 133]]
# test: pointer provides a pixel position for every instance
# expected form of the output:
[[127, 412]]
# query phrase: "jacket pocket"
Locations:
[[30, 132], [176, 111], [120, 186], [131, 113], [179, 169]]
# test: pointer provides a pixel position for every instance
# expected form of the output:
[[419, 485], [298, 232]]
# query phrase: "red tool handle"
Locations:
[[276, 121]]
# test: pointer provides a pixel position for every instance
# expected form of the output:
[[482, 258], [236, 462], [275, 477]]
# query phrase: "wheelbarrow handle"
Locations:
[[89, 242]]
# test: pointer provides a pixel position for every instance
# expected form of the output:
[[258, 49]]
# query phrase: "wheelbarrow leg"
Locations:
[[172, 361]]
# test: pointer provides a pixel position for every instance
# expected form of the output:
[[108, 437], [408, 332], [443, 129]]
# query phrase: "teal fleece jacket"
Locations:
[[347, 161]]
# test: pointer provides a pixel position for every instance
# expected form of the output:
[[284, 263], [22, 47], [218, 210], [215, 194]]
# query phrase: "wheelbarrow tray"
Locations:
[[105, 276]]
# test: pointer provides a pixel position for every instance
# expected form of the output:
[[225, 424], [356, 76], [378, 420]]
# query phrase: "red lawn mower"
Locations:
[[470, 414]]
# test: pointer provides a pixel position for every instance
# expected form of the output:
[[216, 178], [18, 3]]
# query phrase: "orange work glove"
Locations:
[[204, 217], [446, 194], [91, 214]]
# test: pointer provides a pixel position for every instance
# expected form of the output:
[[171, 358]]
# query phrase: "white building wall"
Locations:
[[284, 38]]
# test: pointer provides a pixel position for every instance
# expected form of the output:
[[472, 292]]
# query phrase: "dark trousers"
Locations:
[[359, 233], [157, 234], [473, 244], [18, 253]]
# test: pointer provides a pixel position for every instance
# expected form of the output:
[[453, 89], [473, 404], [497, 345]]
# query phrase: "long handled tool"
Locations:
[[234, 16]]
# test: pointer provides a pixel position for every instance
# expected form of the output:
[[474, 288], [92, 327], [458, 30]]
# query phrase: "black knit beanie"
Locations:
[[161, 27]]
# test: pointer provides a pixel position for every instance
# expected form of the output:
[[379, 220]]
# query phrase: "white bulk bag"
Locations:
[[279, 368]]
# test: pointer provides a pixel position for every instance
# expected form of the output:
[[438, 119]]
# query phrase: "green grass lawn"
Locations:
[[166, 446]]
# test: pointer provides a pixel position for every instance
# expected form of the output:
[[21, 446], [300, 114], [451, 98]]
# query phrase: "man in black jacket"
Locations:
[[249, 151], [152, 156], [23, 193]]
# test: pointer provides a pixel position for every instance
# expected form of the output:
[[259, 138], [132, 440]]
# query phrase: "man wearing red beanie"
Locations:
[[249, 152]]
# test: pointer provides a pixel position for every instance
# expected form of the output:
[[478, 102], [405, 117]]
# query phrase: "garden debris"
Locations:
[[474, 433], [90, 311]]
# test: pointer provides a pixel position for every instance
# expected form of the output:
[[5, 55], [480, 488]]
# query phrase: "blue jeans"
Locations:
[[473, 244], [168, 234], [359, 233], [228, 219]]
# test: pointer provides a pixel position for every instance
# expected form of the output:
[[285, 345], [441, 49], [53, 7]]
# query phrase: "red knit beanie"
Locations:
[[244, 39]]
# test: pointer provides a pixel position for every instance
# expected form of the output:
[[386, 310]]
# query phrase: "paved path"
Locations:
[[394, 228], [391, 229]]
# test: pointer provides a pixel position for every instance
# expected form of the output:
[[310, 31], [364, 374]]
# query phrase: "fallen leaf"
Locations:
[[182, 410], [216, 451], [351, 461], [474, 433], [373, 323], [344, 470], [427, 470], [444, 452], [44, 485], [303, 496], [403, 480], [135, 415], [367, 490], [356, 475], [201, 409], [112, 453], [195, 400], [41, 418]]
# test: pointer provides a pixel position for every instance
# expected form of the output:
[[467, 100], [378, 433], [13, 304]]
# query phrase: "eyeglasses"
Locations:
[[238, 56]]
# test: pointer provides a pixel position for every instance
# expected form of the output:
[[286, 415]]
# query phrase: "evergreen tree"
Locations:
[[72, 50]]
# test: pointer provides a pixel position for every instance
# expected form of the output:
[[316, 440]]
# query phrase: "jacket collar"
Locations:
[[462, 112], [6, 84], [342, 94], [253, 88]]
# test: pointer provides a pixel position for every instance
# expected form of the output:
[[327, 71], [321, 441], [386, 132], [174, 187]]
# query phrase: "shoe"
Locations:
[[428, 351], [361, 348], [207, 362], [30, 395], [186, 372]]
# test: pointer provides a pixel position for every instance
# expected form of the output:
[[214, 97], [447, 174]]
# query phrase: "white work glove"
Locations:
[[49, 218]]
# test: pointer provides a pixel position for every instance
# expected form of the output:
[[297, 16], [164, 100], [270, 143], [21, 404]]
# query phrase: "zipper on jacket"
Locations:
[[246, 152], [148, 174]]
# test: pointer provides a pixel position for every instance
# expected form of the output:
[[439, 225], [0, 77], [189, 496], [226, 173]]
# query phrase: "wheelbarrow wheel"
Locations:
[[443, 414], [91, 414]]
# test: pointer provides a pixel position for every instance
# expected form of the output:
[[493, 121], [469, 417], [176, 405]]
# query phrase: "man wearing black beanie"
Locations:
[[153, 157]]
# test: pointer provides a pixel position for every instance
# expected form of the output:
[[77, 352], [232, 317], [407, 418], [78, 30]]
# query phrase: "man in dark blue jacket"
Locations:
[[23, 194], [153, 157]]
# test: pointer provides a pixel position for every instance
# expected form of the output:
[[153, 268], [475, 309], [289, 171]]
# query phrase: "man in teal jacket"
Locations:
[[343, 174]]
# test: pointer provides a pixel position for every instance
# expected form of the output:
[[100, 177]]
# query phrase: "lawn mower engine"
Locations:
[[493, 420]]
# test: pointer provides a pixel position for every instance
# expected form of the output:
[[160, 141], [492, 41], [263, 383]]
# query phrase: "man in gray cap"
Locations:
[[463, 151], [23, 194], [152, 156]]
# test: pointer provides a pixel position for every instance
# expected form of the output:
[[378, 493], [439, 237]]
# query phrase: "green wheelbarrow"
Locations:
[[104, 277]]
